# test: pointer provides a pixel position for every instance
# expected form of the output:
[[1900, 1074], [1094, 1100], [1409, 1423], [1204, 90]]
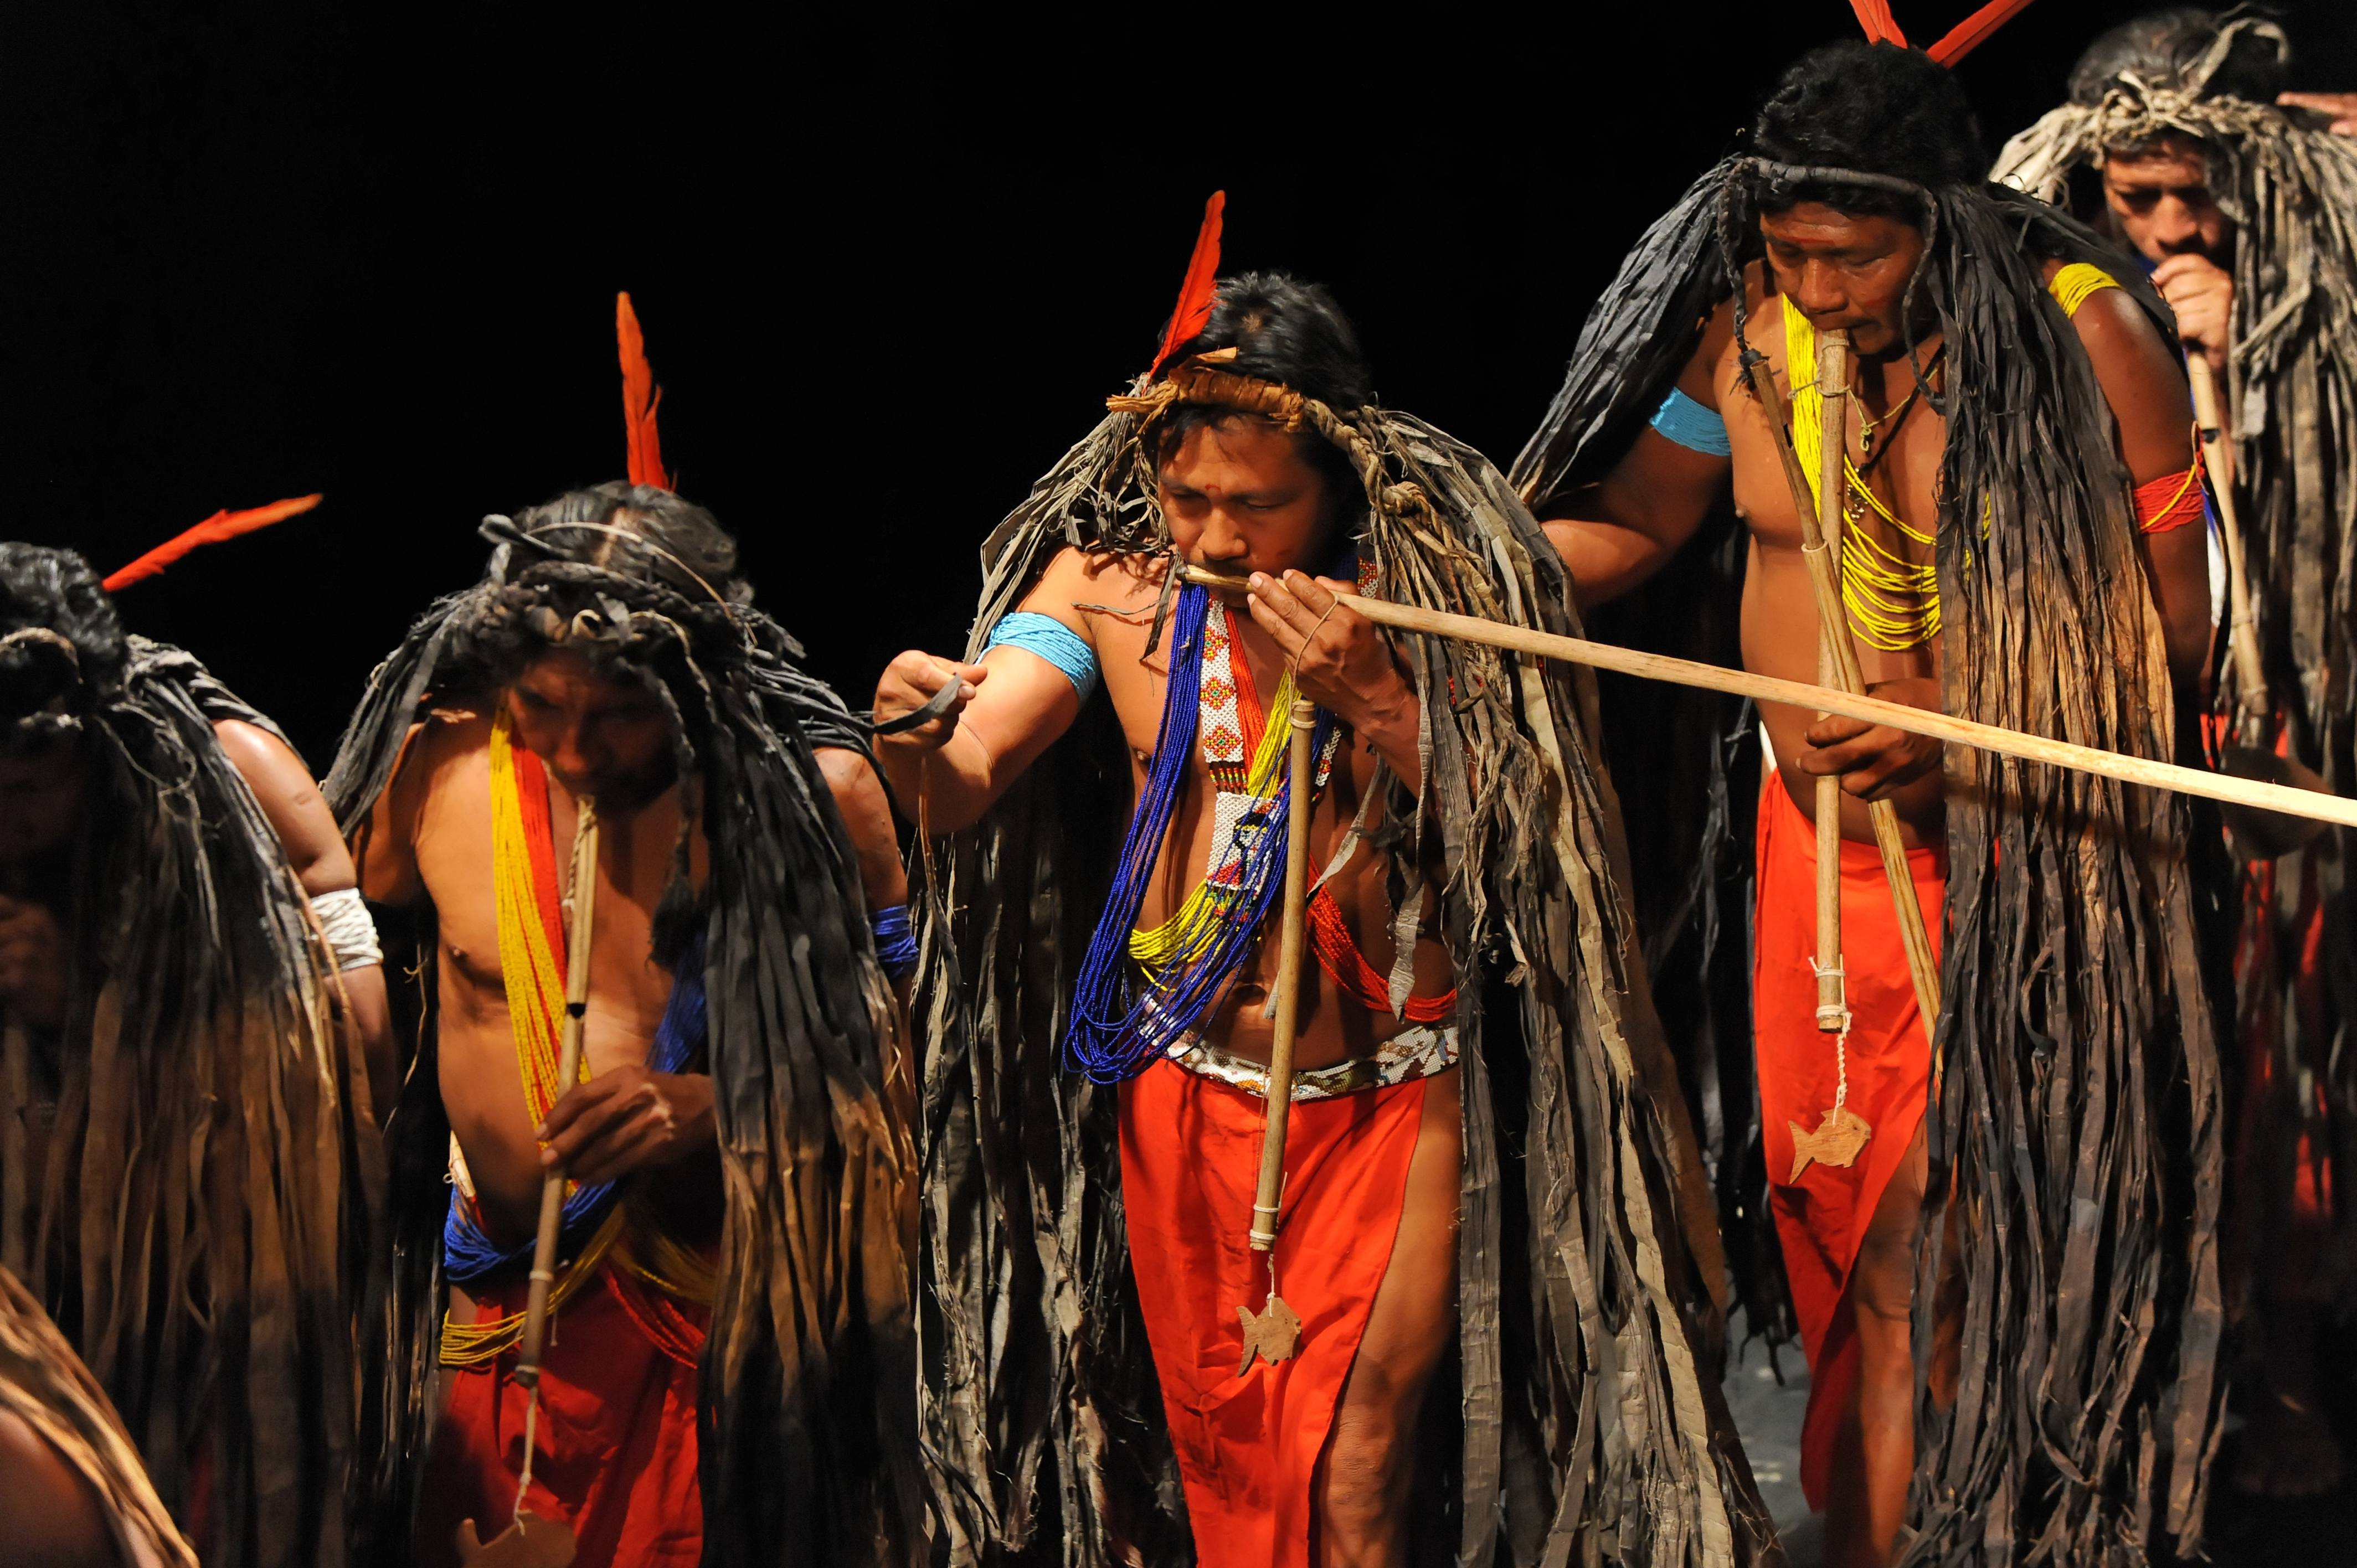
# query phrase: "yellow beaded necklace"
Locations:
[[1893, 603]]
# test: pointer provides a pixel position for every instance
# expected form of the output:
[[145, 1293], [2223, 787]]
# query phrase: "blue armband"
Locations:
[[1052, 641], [895, 941], [1692, 426]]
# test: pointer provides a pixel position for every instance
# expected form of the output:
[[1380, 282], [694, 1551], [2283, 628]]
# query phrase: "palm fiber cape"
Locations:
[[807, 1446], [1588, 1421], [44, 1384], [2290, 392], [2074, 1124], [201, 1227]]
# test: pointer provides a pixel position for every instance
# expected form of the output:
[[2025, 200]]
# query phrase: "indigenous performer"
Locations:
[[2014, 548], [730, 1368], [2247, 216], [1487, 1176], [71, 1490], [188, 987]]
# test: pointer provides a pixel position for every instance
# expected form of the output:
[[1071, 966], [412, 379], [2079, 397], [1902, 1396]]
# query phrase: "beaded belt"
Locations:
[[1420, 1051]]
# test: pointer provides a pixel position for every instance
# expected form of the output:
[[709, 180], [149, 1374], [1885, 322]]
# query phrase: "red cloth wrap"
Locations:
[[615, 1449], [1822, 1218], [1190, 1145]]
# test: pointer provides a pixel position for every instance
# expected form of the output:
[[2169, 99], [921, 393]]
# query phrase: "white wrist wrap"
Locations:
[[351, 935]]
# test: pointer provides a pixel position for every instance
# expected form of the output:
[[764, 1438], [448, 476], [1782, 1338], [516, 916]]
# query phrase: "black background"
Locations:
[[889, 262]]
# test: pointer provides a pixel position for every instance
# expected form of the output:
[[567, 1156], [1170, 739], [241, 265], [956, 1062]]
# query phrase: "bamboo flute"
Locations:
[[1300, 787], [580, 931], [2242, 630], [1274, 1332], [2313, 804], [1833, 368], [1821, 547]]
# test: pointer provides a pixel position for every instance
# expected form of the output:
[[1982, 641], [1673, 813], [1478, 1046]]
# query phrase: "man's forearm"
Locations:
[[372, 1022], [1395, 730], [951, 782]]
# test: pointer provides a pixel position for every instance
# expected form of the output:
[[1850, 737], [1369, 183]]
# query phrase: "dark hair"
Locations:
[[1286, 330], [2160, 48], [1294, 333], [1875, 109], [72, 669], [573, 562], [636, 531]]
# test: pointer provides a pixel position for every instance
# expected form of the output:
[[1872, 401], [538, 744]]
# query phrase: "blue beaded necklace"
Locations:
[[1119, 1026]]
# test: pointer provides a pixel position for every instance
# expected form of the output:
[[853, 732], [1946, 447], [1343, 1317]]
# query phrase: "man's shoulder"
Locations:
[[2120, 340], [450, 733], [1100, 572], [1078, 582]]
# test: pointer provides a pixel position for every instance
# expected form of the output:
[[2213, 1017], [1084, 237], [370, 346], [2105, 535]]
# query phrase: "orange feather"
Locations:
[[1968, 35], [1194, 311], [641, 397], [1881, 27], [222, 525]]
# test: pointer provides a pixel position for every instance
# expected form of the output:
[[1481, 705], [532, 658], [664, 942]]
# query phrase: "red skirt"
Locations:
[[1822, 1218], [1248, 1447], [615, 1451]]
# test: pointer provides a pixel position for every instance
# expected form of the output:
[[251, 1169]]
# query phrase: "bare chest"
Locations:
[[1895, 439], [1210, 805], [628, 991]]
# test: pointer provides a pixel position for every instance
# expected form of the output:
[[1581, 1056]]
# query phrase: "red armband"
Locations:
[[2171, 501]]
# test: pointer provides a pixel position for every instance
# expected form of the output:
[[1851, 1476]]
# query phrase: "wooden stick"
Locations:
[[2242, 626], [568, 1069], [2315, 805], [1302, 785], [1820, 548]]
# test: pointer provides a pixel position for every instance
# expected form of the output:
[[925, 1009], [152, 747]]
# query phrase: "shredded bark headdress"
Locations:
[[804, 1449], [1590, 1414], [44, 1385], [201, 1082], [2290, 187], [2075, 1129]]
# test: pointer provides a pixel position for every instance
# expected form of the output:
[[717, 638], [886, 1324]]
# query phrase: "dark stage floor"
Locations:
[[2244, 1532]]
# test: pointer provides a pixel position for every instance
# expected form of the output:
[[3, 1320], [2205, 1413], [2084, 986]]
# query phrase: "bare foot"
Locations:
[[2289, 1449]]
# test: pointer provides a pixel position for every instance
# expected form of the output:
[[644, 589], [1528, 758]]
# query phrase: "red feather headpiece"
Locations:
[[1881, 27], [222, 525], [641, 397], [1194, 308], [1962, 39], [1966, 35]]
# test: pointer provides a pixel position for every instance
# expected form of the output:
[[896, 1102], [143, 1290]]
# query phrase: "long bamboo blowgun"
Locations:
[[2251, 792], [1275, 1333]]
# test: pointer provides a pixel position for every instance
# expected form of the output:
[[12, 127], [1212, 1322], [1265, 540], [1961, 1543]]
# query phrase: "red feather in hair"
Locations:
[[1881, 27], [1194, 311], [222, 525], [1968, 35], [641, 397]]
